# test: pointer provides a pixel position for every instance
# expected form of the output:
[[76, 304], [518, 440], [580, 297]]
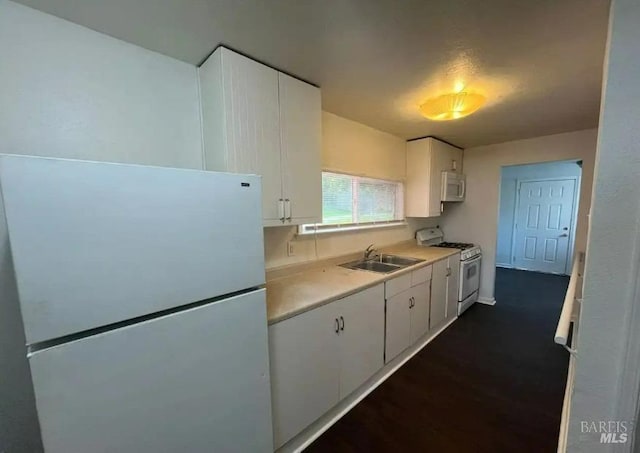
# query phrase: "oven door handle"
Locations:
[[472, 260]]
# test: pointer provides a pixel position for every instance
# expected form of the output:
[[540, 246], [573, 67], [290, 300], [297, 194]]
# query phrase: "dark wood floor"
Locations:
[[492, 382]]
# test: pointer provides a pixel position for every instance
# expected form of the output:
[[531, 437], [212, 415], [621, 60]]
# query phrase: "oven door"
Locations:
[[469, 277]]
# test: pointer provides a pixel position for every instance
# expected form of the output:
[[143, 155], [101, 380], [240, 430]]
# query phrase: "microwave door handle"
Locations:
[[463, 188]]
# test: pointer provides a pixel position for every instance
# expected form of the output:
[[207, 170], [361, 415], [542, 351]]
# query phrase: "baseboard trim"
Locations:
[[317, 428], [486, 300]]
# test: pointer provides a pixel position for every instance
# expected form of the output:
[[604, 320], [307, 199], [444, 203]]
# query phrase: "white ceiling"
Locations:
[[538, 61]]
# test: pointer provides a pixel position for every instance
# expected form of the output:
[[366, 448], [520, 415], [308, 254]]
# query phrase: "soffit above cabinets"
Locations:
[[538, 62]]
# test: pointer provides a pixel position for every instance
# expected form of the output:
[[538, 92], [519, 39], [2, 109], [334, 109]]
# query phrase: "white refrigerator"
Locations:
[[142, 300]]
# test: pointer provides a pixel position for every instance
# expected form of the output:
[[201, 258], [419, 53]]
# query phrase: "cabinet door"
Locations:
[[305, 370], [252, 126], [456, 155], [438, 293], [398, 333], [447, 157], [422, 195], [453, 282], [301, 137], [420, 311], [361, 337]]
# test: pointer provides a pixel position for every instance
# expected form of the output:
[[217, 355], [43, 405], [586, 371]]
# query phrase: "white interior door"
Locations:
[[193, 381], [543, 225]]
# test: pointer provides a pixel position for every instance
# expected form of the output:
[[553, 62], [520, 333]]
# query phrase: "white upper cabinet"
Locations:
[[301, 138], [258, 120], [427, 158]]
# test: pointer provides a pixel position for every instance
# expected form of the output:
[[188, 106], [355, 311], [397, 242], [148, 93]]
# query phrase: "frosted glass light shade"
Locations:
[[452, 106]]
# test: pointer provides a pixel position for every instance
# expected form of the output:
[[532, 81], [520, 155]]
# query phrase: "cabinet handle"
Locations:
[[337, 326], [411, 302], [448, 271], [287, 209], [281, 215], [342, 321]]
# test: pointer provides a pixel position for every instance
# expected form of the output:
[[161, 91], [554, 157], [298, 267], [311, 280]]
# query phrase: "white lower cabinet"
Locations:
[[361, 337], [444, 290], [407, 312], [321, 356], [398, 333], [438, 293], [453, 282], [420, 310], [305, 370]]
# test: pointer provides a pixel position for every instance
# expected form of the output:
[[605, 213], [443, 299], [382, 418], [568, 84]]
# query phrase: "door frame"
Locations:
[[574, 218]]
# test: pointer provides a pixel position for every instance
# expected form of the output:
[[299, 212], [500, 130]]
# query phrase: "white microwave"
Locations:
[[453, 186]]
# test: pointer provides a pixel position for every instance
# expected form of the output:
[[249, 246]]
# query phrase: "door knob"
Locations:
[[563, 235]]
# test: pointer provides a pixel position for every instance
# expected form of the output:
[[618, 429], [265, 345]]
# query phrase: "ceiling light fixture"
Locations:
[[452, 106]]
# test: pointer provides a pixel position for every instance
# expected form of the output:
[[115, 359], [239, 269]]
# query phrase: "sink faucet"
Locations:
[[370, 251]]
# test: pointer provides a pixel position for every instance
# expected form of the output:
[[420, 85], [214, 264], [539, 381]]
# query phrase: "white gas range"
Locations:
[[470, 260]]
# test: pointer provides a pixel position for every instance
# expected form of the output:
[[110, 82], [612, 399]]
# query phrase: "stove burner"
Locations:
[[455, 245]]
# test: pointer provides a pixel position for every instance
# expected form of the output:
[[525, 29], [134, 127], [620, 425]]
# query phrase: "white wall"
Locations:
[[67, 91], [476, 220], [608, 359], [70, 92], [508, 193], [347, 147], [351, 147]]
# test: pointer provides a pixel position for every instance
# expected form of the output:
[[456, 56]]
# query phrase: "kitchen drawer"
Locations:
[[397, 285], [421, 275]]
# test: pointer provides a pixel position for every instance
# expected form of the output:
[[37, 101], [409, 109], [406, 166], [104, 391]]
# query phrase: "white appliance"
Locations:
[[141, 300], [470, 262], [453, 186]]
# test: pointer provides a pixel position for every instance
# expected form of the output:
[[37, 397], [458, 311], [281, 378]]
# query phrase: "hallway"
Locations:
[[492, 382]]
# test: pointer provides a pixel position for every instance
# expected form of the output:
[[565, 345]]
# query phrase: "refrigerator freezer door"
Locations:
[[194, 381], [99, 243]]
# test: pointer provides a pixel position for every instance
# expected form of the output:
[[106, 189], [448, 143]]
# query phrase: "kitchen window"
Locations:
[[355, 202]]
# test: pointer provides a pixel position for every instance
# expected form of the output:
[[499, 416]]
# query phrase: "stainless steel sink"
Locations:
[[374, 266], [399, 260], [383, 264]]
